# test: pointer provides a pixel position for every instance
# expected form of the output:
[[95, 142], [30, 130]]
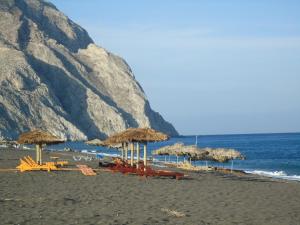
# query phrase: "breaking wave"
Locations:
[[275, 174]]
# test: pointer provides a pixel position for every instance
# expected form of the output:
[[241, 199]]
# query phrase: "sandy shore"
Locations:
[[69, 197]]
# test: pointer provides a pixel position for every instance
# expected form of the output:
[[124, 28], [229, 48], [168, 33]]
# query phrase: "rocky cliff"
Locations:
[[53, 76]]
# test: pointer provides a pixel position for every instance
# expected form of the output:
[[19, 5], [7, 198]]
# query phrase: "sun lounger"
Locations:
[[125, 168], [58, 163], [86, 170], [28, 164]]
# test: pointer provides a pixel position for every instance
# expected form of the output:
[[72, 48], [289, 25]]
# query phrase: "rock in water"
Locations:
[[53, 76]]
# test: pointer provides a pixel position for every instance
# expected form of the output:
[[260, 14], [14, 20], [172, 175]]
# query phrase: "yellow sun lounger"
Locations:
[[59, 163], [28, 164]]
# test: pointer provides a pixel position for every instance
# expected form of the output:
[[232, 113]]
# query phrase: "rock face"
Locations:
[[52, 76]]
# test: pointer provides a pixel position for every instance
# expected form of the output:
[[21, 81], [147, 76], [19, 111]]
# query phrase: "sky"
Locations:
[[208, 66]]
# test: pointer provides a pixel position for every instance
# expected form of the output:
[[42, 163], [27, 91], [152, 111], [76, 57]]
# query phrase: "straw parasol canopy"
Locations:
[[136, 135], [139, 135], [223, 155], [6, 142], [98, 142], [169, 149], [38, 137], [195, 153], [179, 149]]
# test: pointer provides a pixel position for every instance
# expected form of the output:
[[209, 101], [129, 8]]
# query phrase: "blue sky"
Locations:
[[209, 67]]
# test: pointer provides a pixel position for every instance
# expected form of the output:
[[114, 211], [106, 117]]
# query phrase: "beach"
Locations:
[[69, 197]]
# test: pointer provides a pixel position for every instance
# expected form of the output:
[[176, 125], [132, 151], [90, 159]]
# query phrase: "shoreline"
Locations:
[[261, 173], [280, 175]]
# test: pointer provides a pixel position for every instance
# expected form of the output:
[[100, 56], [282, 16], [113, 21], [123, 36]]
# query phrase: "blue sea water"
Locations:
[[276, 155]]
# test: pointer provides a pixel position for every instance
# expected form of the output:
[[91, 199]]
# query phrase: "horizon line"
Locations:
[[296, 132]]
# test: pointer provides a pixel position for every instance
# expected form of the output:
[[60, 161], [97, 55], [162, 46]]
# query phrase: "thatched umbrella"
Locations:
[[138, 135], [8, 143], [169, 150], [39, 138], [179, 149], [96, 142], [194, 153], [223, 155]]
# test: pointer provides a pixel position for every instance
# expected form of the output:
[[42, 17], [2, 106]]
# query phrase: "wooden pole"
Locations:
[[122, 151], [37, 152], [41, 148], [145, 155], [126, 151], [131, 157], [137, 154]]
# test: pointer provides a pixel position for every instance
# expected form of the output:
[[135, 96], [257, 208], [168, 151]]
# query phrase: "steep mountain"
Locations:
[[53, 76]]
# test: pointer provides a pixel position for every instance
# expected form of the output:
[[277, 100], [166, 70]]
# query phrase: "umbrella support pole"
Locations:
[[145, 155], [132, 154], [126, 152], [41, 147], [122, 151], [137, 154], [37, 152]]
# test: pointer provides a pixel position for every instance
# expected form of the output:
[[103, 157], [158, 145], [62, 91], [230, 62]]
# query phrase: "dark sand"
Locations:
[[69, 197]]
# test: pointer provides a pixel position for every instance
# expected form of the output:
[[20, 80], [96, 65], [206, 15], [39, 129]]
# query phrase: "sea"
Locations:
[[273, 155]]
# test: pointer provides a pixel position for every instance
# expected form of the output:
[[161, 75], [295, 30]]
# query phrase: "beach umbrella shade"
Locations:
[[139, 135], [98, 142], [170, 150], [179, 149], [39, 138], [8, 143], [175, 149], [194, 153], [223, 155]]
